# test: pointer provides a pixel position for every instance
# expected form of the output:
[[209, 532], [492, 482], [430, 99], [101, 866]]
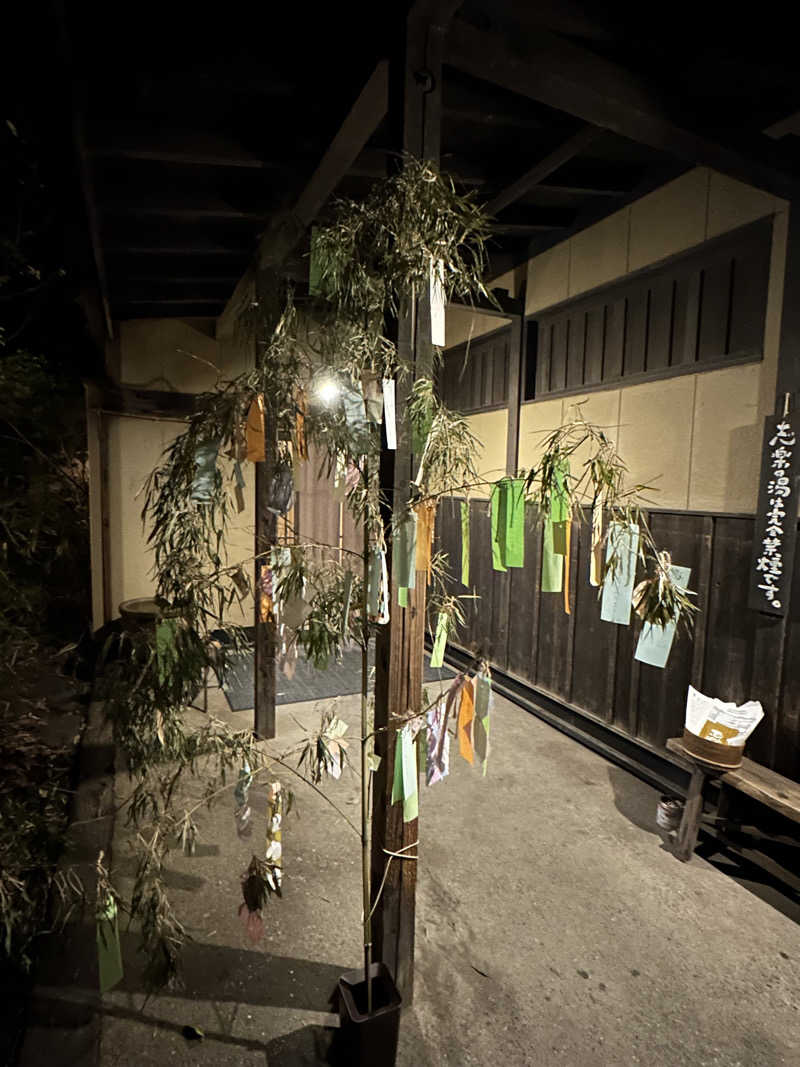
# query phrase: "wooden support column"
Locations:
[[516, 371], [270, 293], [415, 110]]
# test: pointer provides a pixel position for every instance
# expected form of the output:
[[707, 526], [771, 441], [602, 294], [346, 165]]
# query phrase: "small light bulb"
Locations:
[[328, 391]]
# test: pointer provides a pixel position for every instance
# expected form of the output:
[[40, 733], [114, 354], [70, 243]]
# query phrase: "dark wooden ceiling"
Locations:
[[196, 131]]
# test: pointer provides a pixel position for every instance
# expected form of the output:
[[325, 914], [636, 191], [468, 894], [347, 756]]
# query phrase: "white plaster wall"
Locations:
[[695, 438]]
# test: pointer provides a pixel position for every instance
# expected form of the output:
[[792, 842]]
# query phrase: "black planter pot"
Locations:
[[368, 1040]]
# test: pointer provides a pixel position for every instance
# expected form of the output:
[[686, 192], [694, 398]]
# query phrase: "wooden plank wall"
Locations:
[[734, 653], [705, 306]]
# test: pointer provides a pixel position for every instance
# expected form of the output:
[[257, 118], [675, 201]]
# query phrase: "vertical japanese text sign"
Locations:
[[776, 518]]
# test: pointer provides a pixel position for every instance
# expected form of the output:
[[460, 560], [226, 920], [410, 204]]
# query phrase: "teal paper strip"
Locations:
[[498, 503], [552, 564], [515, 523], [404, 551], [655, 642], [205, 459], [623, 542], [465, 542], [437, 656], [109, 953], [410, 780]]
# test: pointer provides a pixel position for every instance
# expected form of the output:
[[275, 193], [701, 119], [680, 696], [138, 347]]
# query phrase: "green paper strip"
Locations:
[[514, 555], [397, 779], [465, 542], [559, 538], [559, 500], [109, 953], [552, 564], [655, 642], [402, 596], [437, 656], [498, 502], [422, 752], [404, 552], [410, 780]]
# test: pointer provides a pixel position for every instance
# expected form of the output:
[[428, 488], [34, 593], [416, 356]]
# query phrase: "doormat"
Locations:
[[309, 683]]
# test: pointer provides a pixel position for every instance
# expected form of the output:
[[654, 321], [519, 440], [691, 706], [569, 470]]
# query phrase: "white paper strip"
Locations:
[[388, 413], [437, 303]]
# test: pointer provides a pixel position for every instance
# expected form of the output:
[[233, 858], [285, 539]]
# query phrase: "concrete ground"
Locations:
[[553, 928]]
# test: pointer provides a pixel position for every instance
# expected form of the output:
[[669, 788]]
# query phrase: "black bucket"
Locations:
[[368, 1040]]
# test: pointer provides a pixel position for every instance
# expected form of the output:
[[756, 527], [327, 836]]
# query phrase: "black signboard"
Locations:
[[776, 518]]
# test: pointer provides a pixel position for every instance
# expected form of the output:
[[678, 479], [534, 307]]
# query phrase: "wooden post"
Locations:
[[415, 108], [270, 293], [686, 838]]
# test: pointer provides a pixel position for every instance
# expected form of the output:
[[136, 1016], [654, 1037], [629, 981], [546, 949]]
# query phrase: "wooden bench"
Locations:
[[760, 783]]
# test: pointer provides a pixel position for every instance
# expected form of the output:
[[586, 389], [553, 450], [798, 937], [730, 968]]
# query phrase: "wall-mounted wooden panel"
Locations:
[[474, 376], [701, 308], [588, 664]]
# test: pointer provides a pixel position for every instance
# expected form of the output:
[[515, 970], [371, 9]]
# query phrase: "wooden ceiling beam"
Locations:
[[545, 67], [284, 233], [183, 148], [570, 148], [181, 210], [187, 249]]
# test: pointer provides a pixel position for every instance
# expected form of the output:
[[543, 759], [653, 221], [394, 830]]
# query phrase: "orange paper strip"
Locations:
[[254, 431], [466, 715], [426, 522], [568, 532]]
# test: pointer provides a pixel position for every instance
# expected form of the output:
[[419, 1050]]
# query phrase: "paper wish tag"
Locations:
[[437, 764], [655, 642], [109, 953], [442, 626], [404, 783], [389, 423], [437, 303], [623, 547]]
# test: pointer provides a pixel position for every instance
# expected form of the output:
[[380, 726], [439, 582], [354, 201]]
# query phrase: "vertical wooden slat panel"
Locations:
[[558, 354], [730, 632], [748, 300], [787, 725], [595, 339], [523, 603], [593, 660], [556, 639], [636, 332], [616, 315], [487, 373], [714, 311], [659, 330], [576, 349], [500, 374], [687, 317], [662, 691], [543, 353]]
